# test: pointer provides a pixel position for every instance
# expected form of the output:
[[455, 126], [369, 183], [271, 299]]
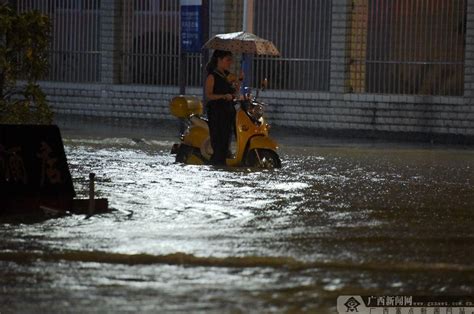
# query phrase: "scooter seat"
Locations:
[[199, 121]]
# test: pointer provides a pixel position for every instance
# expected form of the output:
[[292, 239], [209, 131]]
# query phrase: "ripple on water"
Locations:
[[357, 217]]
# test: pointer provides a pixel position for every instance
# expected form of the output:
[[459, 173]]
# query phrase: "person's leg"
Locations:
[[213, 132], [233, 127], [216, 128], [227, 128]]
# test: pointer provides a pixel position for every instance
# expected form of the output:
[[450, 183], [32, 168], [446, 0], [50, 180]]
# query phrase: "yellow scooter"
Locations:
[[254, 147]]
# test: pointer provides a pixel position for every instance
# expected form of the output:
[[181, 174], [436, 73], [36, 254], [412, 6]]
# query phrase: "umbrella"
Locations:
[[242, 42]]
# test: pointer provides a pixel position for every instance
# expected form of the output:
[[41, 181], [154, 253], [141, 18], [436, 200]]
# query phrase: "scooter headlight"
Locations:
[[255, 111]]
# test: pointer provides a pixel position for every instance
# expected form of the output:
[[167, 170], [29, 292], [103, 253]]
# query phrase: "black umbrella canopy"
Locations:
[[242, 42]]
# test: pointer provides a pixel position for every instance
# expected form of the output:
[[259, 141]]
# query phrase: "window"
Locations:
[[142, 5], [151, 42], [407, 47], [74, 55], [301, 30]]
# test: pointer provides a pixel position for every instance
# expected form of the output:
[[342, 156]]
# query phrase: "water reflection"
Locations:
[[331, 221]]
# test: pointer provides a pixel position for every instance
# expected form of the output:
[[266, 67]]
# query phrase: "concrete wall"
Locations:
[[336, 110], [111, 18], [112, 100]]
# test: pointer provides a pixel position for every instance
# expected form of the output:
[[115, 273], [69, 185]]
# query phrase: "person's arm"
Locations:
[[210, 90]]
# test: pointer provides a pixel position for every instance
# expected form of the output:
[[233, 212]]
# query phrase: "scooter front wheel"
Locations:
[[263, 158]]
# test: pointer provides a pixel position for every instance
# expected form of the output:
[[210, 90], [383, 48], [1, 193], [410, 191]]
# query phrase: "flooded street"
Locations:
[[335, 220]]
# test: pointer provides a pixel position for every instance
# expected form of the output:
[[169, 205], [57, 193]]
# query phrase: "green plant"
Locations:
[[24, 40]]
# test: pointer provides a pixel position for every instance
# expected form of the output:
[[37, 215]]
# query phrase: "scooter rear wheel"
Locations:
[[182, 153], [263, 158]]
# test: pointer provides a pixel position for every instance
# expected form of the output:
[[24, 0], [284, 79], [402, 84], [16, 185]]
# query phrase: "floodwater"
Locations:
[[335, 220]]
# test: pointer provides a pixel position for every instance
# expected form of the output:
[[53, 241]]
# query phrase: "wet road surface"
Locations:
[[349, 218]]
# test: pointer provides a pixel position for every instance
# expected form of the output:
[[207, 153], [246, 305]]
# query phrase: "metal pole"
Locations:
[[247, 27], [182, 74], [91, 194], [205, 27], [182, 66], [248, 15]]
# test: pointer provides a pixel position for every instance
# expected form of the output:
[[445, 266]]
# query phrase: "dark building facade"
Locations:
[[368, 66]]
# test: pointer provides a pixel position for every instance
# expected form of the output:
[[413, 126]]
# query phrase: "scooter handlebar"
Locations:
[[254, 101]]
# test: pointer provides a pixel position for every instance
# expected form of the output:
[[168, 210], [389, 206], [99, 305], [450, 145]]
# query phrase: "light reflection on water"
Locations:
[[331, 221]]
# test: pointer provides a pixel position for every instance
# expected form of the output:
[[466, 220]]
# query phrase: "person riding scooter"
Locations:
[[207, 141]]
